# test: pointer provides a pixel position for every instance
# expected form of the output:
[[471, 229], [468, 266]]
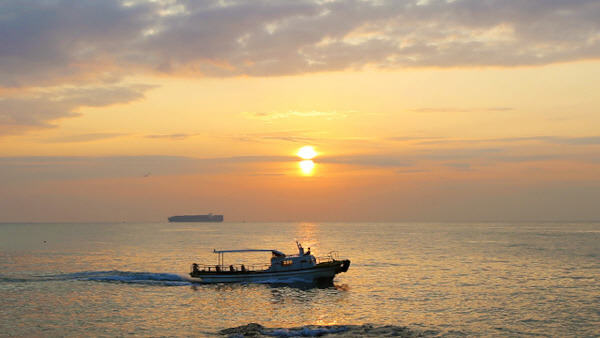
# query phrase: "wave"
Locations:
[[365, 330]]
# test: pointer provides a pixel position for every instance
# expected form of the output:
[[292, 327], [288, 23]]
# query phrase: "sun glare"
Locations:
[[307, 152]]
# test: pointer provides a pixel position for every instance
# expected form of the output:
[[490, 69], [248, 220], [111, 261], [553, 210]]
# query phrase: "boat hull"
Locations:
[[197, 218], [324, 272]]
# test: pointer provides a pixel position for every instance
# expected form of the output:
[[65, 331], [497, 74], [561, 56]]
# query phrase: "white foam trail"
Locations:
[[305, 332], [125, 277]]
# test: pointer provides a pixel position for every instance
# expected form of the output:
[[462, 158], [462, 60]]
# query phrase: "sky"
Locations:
[[425, 111]]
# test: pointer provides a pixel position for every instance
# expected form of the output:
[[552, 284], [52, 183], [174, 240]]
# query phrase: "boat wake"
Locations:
[[293, 281], [115, 276], [365, 330], [165, 279]]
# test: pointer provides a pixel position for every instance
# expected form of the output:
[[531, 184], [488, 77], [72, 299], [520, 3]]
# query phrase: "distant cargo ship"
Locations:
[[197, 218]]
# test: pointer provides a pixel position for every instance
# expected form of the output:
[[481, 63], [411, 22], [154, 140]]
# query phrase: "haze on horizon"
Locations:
[[425, 110]]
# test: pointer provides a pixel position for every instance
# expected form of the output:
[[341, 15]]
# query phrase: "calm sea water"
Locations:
[[534, 279]]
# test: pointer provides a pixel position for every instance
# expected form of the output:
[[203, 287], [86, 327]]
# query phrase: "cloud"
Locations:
[[17, 170], [548, 139], [384, 160], [467, 154], [274, 115], [49, 42], [577, 141], [293, 136], [174, 137], [461, 110], [90, 137], [461, 155], [45, 45], [42, 108], [516, 149]]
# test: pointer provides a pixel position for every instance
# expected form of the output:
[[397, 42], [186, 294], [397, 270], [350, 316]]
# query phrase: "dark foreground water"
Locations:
[[534, 279]]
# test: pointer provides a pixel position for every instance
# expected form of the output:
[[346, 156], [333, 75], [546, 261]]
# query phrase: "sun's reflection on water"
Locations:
[[307, 233]]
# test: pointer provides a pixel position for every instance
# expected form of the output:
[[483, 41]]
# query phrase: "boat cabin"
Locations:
[[282, 262], [279, 261]]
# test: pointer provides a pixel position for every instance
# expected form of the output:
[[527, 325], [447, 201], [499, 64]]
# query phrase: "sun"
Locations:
[[307, 167], [307, 152]]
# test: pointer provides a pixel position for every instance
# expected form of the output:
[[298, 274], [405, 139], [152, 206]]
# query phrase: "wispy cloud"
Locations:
[[79, 138], [461, 110], [383, 160], [577, 141], [543, 139], [460, 155], [275, 115], [174, 137], [40, 109], [467, 154], [44, 168], [293, 136]]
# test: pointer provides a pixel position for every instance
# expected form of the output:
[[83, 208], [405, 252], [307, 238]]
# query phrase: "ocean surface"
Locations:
[[471, 279]]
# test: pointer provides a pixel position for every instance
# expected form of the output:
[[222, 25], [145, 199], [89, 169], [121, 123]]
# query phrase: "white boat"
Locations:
[[301, 267]]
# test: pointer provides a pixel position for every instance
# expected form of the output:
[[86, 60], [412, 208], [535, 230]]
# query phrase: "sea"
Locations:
[[428, 279]]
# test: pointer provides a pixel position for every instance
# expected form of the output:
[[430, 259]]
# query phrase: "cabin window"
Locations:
[[286, 262], [304, 261]]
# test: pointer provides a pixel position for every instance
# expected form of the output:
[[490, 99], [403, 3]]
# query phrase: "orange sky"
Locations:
[[420, 111]]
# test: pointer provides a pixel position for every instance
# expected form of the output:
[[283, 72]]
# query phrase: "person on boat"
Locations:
[[307, 252], [231, 268], [217, 268], [195, 268], [300, 249], [243, 268]]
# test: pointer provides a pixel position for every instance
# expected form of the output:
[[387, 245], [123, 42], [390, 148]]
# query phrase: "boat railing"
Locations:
[[334, 255], [331, 257], [232, 267]]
